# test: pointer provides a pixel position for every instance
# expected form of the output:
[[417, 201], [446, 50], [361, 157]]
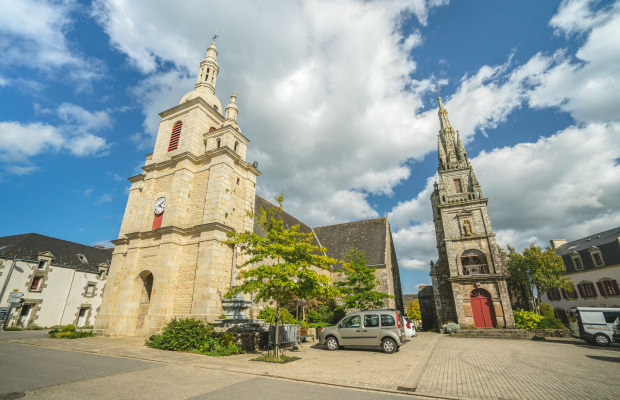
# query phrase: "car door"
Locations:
[[350, 330], [371, 331]]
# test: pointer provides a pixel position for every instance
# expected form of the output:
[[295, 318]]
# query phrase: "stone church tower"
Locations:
[[195, 187], [469, 279]]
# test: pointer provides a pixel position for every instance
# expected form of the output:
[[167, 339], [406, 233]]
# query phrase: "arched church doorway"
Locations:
[[482, 309], [146, 279]]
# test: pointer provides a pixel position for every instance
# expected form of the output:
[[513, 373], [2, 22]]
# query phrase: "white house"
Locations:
[[62, 282], [593, 264]]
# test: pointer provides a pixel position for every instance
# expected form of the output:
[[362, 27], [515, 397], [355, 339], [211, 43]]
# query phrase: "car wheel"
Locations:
[[601, 340], [331, 343], [388, 345]]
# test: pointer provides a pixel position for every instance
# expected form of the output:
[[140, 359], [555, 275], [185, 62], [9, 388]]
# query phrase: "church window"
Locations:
[[238, 181], [219, 143], [236, 145], [175, 136], [458, 188], [474, 262]]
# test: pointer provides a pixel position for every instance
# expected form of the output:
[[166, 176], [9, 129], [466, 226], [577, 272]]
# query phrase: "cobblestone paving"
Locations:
[[521, 369]]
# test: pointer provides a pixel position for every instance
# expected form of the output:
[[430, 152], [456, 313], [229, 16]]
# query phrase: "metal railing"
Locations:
[[480, 269], [287, 334]]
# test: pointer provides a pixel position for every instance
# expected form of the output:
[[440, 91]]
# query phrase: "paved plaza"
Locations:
[[431, 365]]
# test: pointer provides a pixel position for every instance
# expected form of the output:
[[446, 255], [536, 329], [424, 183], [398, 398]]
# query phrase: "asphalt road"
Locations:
[[43, 373]]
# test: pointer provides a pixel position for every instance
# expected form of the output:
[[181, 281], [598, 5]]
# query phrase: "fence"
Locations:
[[288, 335]]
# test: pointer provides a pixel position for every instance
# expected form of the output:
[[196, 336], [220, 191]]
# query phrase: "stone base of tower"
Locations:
[[482, 303], [165, 276]]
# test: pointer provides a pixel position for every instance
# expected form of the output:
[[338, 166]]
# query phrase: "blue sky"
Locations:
[[337, 98]]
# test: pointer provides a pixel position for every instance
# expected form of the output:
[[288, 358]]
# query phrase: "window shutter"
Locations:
[[564, 295], [581, 292], [549, 296], [614, 285], [175, 136], [593, 289], [601, 289]]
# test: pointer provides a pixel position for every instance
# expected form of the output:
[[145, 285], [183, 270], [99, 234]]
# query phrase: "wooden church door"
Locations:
[[482, 309]]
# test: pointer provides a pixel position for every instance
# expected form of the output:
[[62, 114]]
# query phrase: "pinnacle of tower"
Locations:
[[231, 112], [207, 77], [441, 153], [443, 117], [460, 149]]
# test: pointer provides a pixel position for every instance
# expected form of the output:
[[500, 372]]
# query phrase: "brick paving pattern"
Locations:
[[431, 364]]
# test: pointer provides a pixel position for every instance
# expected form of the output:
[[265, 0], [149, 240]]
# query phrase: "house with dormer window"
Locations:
[[61, 281], [593, 265]]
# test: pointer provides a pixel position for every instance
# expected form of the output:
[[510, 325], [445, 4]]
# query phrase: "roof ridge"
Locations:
[[608, 231], [352, 222], [284, 211]]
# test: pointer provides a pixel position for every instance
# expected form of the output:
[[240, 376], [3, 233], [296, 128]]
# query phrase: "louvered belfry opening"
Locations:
[[175, 136]]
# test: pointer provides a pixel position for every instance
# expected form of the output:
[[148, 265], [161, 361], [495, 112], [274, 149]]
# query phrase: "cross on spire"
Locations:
[[215, 37]]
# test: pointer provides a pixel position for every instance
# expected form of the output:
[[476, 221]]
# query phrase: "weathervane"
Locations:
[[215, 37], [436, 88]]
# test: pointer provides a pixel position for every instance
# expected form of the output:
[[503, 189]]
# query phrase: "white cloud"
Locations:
[[84, 119], [21, 169], [19, 142], [576, 16], [33, 36], [105, 198], [88, 191], [359, 65], [104, 243]]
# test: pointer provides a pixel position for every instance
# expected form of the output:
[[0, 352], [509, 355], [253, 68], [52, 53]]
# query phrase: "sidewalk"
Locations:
[[429, 365]]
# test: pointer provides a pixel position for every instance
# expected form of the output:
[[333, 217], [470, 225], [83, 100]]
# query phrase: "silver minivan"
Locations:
[[369, 328], [595, 324]]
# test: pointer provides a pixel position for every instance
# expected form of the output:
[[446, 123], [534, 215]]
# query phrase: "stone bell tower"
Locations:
[[469, 279], [195, 186]]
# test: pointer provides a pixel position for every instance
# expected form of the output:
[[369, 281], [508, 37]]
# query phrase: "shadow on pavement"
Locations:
[[603, 358]]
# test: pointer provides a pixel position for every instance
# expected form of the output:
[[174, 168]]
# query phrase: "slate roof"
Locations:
[[606, 241], [368, 236], [29, 245]]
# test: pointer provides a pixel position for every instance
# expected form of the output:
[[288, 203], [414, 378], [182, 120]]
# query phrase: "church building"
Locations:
[[169, 260], [469, 279]]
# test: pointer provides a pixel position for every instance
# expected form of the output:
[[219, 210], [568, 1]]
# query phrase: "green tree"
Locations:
[[359, 284], [413, 310], [283, 265], [537, 269]]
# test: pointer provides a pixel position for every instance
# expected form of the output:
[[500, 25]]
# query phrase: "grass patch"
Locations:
[[13, 328], [271, 359]]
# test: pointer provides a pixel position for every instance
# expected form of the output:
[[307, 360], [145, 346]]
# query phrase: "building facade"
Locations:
[[196, 186], [593, 265], [61, 281], [469, 278]]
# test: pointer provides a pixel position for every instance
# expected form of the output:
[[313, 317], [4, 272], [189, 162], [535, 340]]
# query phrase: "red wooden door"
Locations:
[[482, 309]]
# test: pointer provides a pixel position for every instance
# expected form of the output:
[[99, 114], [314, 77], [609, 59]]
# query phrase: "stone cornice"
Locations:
[[461, 203], [188, 104], [136, 178], [174, 160], [166, 230], [478, 278], [223, 129], [470, 237]]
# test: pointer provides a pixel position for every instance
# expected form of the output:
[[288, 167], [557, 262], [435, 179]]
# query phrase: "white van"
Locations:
[[595, 325]]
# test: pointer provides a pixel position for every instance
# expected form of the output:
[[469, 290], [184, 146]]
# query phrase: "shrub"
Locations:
[[450, 327], [269, 315], [194, 336], [550, 323], [546, 310], [526, 320], [68, 332]]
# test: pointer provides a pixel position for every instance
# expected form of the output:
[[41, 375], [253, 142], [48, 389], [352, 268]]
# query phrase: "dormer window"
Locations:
[[82, 258], [175, 136], [597, 256], [576, 261]]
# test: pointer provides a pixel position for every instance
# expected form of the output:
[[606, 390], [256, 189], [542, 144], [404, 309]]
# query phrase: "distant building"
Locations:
[[593, 265], [409, 297], [62, 281], [469, 279]]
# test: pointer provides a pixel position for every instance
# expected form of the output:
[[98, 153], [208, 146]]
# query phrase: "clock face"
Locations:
[[160, 205]]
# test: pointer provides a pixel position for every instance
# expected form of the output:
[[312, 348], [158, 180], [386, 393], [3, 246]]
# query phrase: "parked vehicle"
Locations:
[[595, 325], [409, 328], [384, 328]]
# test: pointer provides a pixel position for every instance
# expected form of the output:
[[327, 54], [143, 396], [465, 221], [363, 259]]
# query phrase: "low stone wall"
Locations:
[[512, 333]]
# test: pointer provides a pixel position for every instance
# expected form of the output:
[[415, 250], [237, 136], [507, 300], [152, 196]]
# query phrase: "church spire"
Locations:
[[208, 70], [443, 117]]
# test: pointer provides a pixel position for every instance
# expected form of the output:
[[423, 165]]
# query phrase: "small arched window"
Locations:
[[175, 136], [236, 145], [219, 143]]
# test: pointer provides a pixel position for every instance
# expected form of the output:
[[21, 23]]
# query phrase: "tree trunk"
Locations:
[[276, 349]]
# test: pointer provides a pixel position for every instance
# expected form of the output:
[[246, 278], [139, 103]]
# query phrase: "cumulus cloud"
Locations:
[[359, 66], [33, 36]]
